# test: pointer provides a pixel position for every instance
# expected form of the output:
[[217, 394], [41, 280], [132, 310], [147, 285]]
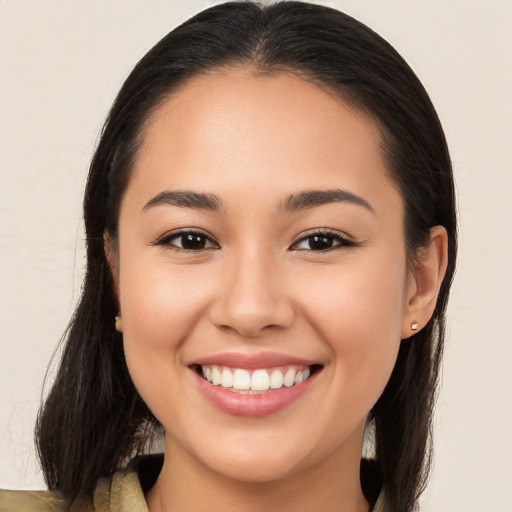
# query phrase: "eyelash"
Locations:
[[167, 239], [336, 237]]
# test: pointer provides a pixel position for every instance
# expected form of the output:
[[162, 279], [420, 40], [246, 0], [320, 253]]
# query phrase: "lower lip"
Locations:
[[255, 405]]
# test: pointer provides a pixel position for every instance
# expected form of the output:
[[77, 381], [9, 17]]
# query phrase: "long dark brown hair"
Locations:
[[93, 419]]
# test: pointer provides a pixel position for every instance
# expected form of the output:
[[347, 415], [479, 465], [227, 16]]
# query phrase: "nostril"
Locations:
[[247, 329], [249, 309]]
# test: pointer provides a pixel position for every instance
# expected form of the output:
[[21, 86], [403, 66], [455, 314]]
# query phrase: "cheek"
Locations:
[[161, 305], [364, 299], [160, 301], [358, 313]]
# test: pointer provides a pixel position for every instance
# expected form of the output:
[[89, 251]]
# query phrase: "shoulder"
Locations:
[[32, 501], [121, 492]]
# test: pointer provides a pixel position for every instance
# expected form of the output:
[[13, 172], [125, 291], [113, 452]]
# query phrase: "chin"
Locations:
[[245, 456], [253, 468]]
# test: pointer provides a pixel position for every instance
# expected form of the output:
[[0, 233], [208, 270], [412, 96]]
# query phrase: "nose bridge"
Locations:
[[253, 294]]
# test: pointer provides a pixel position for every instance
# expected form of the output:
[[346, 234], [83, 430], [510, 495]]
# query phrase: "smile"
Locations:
[[254, 386], [241, 380]]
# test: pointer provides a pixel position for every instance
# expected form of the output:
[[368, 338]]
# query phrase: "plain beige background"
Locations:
[[62, 63]]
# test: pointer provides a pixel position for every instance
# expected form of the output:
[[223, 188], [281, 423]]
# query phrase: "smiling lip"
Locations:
[[253, 361], [252, 405]]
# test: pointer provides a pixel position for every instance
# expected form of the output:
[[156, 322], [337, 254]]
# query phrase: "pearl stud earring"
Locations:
[[414, 326], [119, 324]]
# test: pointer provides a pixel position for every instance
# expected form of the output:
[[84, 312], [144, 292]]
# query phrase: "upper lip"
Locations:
[[253, 361]]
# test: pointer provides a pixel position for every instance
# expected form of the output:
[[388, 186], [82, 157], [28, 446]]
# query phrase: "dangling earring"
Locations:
[[119, 324], [414, 326]]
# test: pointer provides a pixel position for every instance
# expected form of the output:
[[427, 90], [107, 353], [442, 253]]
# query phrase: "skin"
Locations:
[[259, 286]]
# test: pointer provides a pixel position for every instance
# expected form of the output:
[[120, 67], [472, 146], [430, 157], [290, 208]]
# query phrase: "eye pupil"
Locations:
[[193, 241], [320, 243]]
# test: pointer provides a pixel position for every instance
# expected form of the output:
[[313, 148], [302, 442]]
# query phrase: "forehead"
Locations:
[[276, 133]]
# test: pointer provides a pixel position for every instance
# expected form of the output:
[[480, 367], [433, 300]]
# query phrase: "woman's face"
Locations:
[[260, 240]]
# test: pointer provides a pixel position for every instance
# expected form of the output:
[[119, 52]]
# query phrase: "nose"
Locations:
[[253, 298]]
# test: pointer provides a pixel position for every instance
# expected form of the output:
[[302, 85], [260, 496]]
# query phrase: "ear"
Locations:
[[424, 281], [112, 257]]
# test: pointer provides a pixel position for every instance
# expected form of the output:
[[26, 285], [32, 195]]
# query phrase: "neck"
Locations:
[[186, 485]]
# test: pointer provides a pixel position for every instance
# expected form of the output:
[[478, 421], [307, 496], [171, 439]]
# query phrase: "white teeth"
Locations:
[[226, 380], [276, 379], [260, 381], [216, 377], [289, 378], [302, 376], [242, 381]]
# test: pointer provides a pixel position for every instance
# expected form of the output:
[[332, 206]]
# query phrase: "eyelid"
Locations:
[[343, 238], [167, 237]]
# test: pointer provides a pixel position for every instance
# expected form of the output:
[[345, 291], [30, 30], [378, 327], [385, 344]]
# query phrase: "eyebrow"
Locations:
[[185, 199], [312, 198], [294, 203]]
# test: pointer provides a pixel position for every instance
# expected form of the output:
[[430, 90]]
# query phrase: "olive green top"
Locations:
[[123, 492]]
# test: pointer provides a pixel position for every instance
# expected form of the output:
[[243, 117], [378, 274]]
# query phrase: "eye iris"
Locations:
[[193, 241], [320, 242]]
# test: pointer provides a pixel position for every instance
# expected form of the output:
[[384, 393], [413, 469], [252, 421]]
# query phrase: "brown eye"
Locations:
[[193, 241], [322, 242], [188, 241]]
